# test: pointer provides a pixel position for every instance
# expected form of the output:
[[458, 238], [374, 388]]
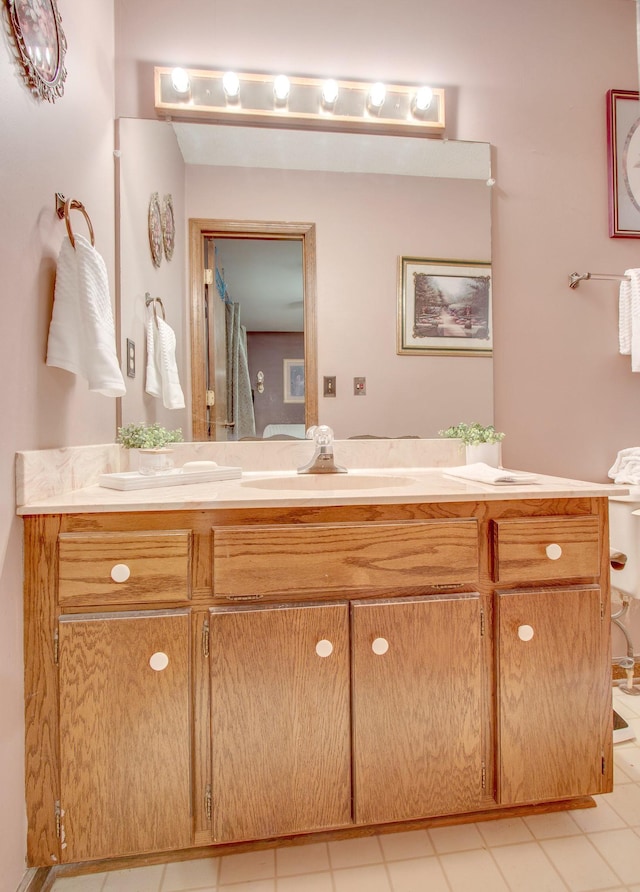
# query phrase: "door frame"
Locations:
[[199, 230]]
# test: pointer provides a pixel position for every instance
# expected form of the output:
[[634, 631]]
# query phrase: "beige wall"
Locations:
[[150, 162], [45, 148]]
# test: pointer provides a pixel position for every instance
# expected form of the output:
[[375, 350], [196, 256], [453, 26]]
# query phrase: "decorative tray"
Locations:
[[174, 477]]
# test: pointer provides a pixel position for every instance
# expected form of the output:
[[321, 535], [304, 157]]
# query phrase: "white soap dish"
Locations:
[[174, 477]]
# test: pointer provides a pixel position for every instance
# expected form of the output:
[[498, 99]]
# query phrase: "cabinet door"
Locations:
[[554, 694], [279, 720], [417, 707], [124, 734]]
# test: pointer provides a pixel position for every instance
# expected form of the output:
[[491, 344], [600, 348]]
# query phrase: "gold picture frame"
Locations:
[[444, 307]]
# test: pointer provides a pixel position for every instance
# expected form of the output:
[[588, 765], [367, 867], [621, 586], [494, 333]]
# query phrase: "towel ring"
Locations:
[[63, 206], [155, 300]]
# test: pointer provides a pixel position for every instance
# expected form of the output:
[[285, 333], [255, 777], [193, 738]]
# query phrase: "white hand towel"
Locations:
[[629, 317], [165, 362], [483, 473], [153, 376], [626, 468], [82, 333]]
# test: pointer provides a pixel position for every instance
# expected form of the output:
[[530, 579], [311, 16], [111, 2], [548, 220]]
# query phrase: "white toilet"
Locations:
[[624, 541], [624, 551]]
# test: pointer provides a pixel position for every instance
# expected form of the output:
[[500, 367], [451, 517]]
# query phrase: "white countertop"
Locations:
[[255, 489]]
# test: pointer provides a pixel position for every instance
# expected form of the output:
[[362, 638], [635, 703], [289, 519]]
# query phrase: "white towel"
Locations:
[[162, 370], [629, 317], [626, 468], [153, 376], [82, 333], [483, 473]]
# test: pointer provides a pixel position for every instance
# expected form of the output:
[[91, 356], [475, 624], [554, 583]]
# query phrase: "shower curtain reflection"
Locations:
[[239, 394]]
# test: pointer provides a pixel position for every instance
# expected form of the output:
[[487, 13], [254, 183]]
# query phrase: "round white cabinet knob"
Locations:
[[324, 648], [120, 573], [525, 633], [553, 551], [380, 646], [159, 661]]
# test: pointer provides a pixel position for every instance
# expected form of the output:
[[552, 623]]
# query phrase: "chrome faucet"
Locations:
[[322, 461]]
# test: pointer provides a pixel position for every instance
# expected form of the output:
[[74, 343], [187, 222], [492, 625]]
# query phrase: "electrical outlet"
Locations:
[[131, 358], [329, 385], [359, 386]]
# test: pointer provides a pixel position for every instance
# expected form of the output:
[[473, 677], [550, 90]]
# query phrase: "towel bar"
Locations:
[[63, 206], [155, 300], [576, 278]]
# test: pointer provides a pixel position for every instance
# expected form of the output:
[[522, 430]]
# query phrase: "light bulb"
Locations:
[[423, 98], [281, 88], [231, 84], [180, 80], [377, 95], [329, 92]]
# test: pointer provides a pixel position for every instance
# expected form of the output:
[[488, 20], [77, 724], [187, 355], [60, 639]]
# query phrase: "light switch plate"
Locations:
[[329, 385], [359, 386]]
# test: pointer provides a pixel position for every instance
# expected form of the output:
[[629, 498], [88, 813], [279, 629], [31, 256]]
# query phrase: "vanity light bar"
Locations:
[[402, 112]]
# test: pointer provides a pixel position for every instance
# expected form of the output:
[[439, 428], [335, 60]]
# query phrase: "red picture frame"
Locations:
[[623, 159]]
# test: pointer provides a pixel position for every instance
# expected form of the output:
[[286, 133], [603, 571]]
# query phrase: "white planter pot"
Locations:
[[155, 461], [489, 453]]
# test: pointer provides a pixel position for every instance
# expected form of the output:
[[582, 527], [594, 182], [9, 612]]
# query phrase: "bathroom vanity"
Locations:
[[257, 659]]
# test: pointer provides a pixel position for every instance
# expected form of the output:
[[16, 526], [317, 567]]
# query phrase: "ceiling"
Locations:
[[265, 277], [225, 146]]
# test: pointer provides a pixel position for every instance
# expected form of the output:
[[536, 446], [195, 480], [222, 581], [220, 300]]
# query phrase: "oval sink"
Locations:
[[329, 482]]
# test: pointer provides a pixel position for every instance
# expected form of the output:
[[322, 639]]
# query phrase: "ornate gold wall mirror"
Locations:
[[40, 45]]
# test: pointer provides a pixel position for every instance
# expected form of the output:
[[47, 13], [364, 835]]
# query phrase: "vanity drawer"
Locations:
[[542, 548], [325, 558], [124, 568]]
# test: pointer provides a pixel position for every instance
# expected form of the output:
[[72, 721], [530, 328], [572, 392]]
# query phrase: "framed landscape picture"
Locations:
[[444, 307]]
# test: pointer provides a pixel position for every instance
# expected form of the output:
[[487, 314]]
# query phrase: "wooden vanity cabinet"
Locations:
[[124, 733], [551, 661], [418, 707], [280, 737], [314, 669], [284, 701]]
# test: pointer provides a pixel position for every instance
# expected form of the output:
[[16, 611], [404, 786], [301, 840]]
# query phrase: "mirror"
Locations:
[[372, 200]]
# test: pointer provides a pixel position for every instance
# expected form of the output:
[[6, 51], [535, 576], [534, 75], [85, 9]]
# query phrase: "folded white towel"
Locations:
[[629, 317], [152, 382], [162, 370], [626, 468], [82, 333], [483, 473], [172, 396]]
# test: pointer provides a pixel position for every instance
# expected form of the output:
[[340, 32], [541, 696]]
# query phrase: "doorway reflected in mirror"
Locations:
[[253, 312]]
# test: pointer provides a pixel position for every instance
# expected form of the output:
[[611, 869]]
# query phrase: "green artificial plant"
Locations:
[[147, 436], [473, 434]]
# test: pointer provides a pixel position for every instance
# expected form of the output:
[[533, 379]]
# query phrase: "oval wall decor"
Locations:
[[40, 44]]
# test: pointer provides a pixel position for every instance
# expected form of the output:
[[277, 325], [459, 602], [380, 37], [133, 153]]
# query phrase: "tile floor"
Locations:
[[581, 851]]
